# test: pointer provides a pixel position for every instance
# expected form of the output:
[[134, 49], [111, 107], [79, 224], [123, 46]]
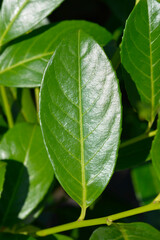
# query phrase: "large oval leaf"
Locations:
[[155, 151], [141, 52], [126, 231], [80, 116], [17, 17], [23, 64], [32, 175]]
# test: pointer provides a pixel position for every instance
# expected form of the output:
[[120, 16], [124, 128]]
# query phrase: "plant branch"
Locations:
[[155, 205], [138, 138], [6, 107]]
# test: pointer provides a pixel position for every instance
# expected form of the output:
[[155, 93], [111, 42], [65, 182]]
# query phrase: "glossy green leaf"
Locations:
[[141, 50], [155, 151], [80, 116], [146, 183], [25, 187], [126, 231], [19, 16], [23, 64], [134, 154], [2, 175]]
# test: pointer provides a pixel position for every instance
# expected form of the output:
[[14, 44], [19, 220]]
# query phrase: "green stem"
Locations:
[[138, 138], [99, 221], [7, 107]]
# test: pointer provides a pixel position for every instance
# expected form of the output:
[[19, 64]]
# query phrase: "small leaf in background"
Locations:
[[2, 175], [134, 154], [3, 126], [126, 231], [155, 151], [145, 183], [28, 110], [141, 50], [23, 64], [80, 114], [23, 149], [19, 17], [121, 9], [8, 236]]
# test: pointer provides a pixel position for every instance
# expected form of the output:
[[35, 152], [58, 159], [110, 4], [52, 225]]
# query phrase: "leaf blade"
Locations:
[[67, 106], [13, 16], [126, 231], [23, 152], [140, 52], [22, 64]]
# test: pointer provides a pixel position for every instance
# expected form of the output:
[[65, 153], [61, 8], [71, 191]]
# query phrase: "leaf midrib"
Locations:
[[19, 177], [81, 130], [12, 21], [151, 71]]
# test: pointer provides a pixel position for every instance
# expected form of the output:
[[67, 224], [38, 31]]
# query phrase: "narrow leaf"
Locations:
[[19, 16], [25, 187], [80, 116], [126, 231], [155, 151], [141, 52], [2, 175], [23, 64]]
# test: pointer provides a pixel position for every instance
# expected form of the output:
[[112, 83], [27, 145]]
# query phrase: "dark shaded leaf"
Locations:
[[26, 186]]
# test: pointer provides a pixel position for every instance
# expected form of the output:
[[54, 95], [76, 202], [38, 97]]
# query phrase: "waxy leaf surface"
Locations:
[[24, 187], [23, 64], [155, 151], [141, 52], [126, 231], [80, 114], [19, 16]]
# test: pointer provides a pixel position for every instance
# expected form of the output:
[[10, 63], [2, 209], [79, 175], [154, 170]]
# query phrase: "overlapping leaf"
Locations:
[[29, 172], [80, 116], [19, 16], [126, 231], [141, 52], [22, 64]]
